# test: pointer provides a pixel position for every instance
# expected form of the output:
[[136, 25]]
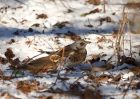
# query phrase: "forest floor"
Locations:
[[28, 26]]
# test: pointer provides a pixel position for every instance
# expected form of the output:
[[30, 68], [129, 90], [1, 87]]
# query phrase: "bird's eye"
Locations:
[[81, 43]]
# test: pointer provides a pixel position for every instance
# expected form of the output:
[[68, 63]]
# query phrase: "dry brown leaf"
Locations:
[[128, 60], [15, 20], [14, 63], [101, 39], [3, 60], [4, 22], [72, 36], [95, 2], [23, 21], [61, 24], [15, 8], [100, 47], [91, 77], [92, 94], [115, 33], [97, 10], [103, 78], [35, 25], [6, 95], [95, 58], [28, 42], [11, 41], [45, 97], [41, 16], [117, 78], [133, 5], [135, 70], [6, 77], [135, 85], [27, 86], [105, 19], [9, 54]]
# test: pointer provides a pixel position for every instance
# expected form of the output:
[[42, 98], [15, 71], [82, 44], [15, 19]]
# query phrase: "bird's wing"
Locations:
[[40, 61]]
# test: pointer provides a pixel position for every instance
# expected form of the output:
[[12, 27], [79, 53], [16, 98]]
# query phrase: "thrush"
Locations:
[[74, 53], [43, 64]]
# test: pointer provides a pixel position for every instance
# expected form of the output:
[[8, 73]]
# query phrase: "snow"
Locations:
[[57, 11]]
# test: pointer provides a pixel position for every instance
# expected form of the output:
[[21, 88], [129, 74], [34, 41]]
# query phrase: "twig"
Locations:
[[62, 92], [104, 6], [89, 22], [20, 2], [79, 78], [119, 37], [62, 63], [63, 4], [127, 88], [130, 46]]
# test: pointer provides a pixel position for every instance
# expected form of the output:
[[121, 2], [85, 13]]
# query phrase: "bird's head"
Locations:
[[79, 44]]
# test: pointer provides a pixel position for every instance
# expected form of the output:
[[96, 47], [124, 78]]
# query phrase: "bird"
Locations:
[[43, 64], [74, 53], [70, 55]]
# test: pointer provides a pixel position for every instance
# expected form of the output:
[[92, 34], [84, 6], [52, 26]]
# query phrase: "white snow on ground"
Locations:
[[18, 17]]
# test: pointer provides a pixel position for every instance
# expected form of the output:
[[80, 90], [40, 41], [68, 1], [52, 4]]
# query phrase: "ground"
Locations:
[[28, 26]]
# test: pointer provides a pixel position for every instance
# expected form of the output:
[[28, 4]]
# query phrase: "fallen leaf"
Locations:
[[9, 54], [3, 60], [35, 25], [45, 97], [103, 78], [117, 78], [6, 95], [90, 93], [27, 86], [41, 16], [105, 19], [95, 2], [61, 24], [133, 5], [95, 58], [11, 41], [101, 39], [135, 70], [72, 36], [91, 12]]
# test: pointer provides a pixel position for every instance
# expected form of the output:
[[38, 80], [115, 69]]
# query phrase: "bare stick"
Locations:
[[127, 88], [130, 46], [104, 6], [63, 4], [119, 37]]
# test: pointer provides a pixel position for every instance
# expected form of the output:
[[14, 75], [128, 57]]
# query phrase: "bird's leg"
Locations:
[[14, 73], [57, 77]]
